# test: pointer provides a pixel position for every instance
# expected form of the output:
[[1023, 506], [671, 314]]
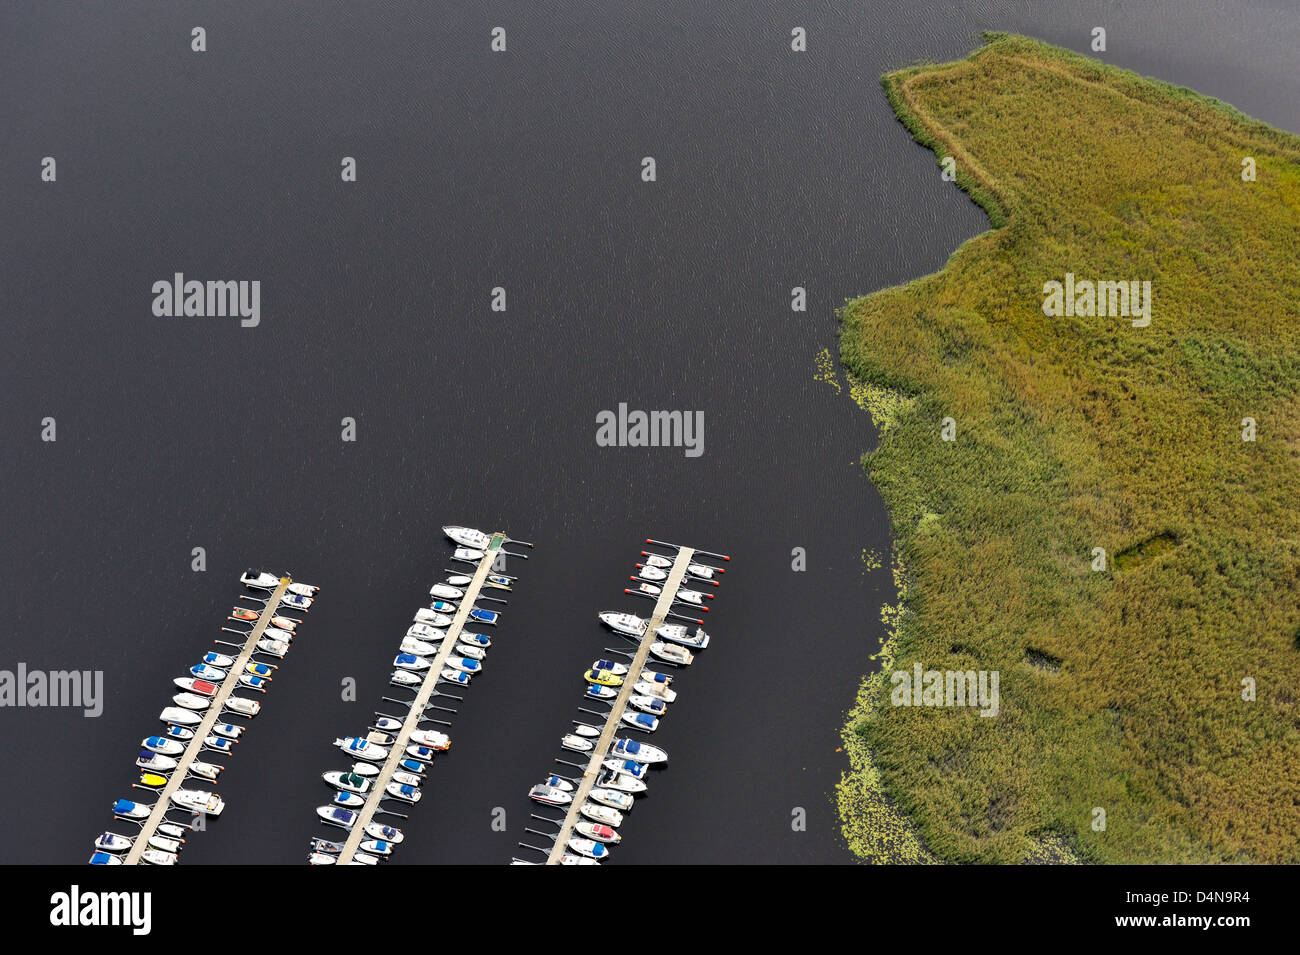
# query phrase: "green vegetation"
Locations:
[[1121, 689]]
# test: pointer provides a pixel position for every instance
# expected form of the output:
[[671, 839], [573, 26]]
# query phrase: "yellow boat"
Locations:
[[154, 780], [602, 678]]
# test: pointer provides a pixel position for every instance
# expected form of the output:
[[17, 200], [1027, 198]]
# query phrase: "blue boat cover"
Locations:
[[145, 754], [407, 790], [645, 719], [406, 658], [123, 805], [343, 815], [630, 746], [100, 858]]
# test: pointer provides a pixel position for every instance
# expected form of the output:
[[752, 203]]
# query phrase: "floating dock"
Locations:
[[613, 721], [415, 715], [204, 728]]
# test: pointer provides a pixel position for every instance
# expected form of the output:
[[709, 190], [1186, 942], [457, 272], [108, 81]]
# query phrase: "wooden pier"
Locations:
[[612, 722], [416, 713], [202, 731]]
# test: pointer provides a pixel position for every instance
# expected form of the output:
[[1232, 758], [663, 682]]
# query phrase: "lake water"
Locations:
[[475, 170]]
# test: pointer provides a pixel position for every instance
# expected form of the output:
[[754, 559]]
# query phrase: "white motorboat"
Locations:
[[460, 580], [178, 733], [446, 592], [206, 770], [409, 661], [612, 798], [610, 666], [657, 560], [408, 779], [474, 653], [377, 847], [403, 791], [131, 810], [348, 782], [158, 857], [559, 782], [589, 848], [405, 678], [218, 659], [464, 664], [205, 672], [362, 749], [455, 676], [606, 814], [243, 707], [321, 858], [365, 769], [285, 623], [621, 781], [191, 701], [163, 745], [577, 744], [657, 690], [258, 683], [228, 730], [626, 623], [260, 580], [443, 606], [600, 832], [694, 597], [597, 692], [272, 633], [629, 767], [648, 704], [364, 858], [638, 751], [348, 800], [672, 653], [654, 676], [388, 724], [218, 744], [337, 816], [154, 762], [476, 639], [296, 600], [467, 536], [652, 573], [550, 795], [175, 714], [679, 633], [418, 647], [427, 629], [570, 858], [420, 752], [582, 729], [163, 844], [432, 739], [641, 721], [112, 842], [104, 858], [388, 834], [196, 800], [277, 648], [468, 554], [703, 571]]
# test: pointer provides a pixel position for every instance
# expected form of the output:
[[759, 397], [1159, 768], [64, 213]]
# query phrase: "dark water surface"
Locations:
[[475, 170]]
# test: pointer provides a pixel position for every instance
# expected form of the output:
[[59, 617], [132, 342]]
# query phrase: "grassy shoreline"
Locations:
[[1122, 690]]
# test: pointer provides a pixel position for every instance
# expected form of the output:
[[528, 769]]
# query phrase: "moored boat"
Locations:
[[598, 831], [176, 714], [626, 623], [163, 745], [603, 814], [446, 592], [467, 537], [589, 848], [678, 633], [243, 707], [638, 751], [196, 800], [550, 795], [672, 653]]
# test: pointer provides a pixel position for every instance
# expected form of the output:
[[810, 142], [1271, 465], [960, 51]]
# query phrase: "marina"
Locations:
[[392, 758], [194, 728], [614, 774]]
